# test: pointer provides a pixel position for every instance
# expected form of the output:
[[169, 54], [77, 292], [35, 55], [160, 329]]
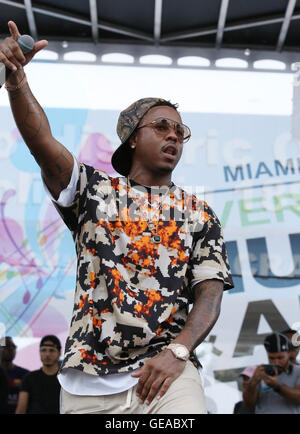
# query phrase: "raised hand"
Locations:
[[11, 54]]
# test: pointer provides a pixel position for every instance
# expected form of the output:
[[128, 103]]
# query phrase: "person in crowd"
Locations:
[[40, 390], [3, 391], [146, 251], [294, 349], [245, 376], [14, 373], [275, 388]]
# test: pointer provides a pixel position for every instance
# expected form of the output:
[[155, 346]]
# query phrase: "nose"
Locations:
[[172, 135]]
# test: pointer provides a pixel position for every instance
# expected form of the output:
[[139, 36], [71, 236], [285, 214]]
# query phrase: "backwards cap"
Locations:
[[127, 123], [276, 343]]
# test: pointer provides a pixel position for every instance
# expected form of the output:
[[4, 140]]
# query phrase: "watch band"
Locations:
[[277, 388]]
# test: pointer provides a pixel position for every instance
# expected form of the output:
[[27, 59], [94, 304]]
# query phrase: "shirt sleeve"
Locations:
[[87, 195], [209, 257], [70, 210]]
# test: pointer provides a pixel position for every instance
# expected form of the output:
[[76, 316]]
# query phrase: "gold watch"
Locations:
[[180, 351]]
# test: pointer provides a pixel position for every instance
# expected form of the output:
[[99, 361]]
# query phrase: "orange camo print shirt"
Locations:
[[132, 294]]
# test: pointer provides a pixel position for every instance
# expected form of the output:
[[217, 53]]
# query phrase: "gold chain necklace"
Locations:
[[153, 228]]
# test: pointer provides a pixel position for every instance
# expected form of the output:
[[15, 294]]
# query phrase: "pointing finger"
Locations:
[[14, 30]]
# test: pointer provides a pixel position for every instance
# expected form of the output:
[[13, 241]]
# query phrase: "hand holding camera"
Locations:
[[270, 370], [270, 375]]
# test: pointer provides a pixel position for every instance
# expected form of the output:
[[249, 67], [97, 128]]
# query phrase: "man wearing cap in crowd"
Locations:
[[275, 388], [146, 252], [40, 389]]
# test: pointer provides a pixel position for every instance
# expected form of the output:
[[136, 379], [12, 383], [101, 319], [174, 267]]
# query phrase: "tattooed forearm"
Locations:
[[204, 314], [29, 115], [32, 124], [53, 158]]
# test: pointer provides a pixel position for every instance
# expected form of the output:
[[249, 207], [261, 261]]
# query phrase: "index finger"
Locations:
[[14, 31]]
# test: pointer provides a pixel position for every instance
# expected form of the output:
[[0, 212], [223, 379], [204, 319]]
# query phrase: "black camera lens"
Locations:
[[270, 370]]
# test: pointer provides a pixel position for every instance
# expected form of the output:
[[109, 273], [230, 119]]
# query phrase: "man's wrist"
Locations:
[[15, 77], [277, 388], [21, 83], [179, 351]]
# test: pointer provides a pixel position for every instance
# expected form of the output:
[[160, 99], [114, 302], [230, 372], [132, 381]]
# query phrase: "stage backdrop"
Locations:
[[246, 166]]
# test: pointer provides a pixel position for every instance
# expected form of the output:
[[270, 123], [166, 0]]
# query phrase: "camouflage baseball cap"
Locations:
[[127, 123]]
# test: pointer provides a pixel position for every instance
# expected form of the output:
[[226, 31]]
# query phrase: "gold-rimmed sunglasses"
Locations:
[[163, 125]]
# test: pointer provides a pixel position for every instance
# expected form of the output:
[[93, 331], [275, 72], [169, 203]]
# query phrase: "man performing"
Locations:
[[146, 250]]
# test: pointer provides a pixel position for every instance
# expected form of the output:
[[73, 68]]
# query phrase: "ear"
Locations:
[[133, 141]]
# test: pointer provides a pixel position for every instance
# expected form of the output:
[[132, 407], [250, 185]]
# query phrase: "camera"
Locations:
[[270, 370]]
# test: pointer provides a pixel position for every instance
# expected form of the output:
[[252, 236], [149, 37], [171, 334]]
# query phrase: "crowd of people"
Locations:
[[30, 392], [266, 388]]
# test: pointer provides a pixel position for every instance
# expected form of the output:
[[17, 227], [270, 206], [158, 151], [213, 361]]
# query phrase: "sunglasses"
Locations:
[[162, 126]]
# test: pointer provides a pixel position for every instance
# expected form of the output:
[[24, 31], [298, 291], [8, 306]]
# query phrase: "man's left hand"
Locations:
[[157, 375], [271, 381]]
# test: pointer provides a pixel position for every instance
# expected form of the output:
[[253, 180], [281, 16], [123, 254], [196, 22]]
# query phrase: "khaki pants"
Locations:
[[184, 396]]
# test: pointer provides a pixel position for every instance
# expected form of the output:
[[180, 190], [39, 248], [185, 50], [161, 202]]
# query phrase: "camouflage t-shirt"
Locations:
[[132, 294]]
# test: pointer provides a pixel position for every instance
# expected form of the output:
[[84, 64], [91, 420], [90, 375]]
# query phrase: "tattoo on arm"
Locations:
[[57, 172], [29, 116], [61, 161], [205, 311], [54, 159], [32, 121], [48, 172]]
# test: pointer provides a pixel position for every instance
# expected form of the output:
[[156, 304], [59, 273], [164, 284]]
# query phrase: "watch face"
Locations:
[[181, 352]]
